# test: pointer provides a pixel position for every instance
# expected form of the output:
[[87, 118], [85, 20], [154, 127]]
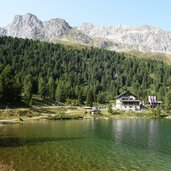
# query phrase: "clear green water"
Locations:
[[83, 145]]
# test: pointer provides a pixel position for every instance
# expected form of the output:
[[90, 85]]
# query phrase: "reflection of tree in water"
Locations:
[[16, 142], [153, 135]]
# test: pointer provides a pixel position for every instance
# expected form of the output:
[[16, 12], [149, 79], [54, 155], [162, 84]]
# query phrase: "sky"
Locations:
[[99, 12]]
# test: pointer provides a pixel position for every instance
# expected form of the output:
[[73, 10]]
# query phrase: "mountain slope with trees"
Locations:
[[77, 75]]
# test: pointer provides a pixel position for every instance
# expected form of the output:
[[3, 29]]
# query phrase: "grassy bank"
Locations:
[[65, 116], [148, 113], [44, 109], [43, 112]]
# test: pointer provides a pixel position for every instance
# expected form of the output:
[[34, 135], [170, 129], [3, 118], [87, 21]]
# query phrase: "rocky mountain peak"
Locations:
[[118, 37], [142, 38], [32, 20], [24, 26], [55, 28], [58, 21], [26, 20], [86, 26]]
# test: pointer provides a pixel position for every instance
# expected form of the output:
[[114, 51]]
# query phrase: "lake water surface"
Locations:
[[105, 145]]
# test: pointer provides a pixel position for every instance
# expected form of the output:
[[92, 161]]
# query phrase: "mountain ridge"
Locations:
[[119, 38]]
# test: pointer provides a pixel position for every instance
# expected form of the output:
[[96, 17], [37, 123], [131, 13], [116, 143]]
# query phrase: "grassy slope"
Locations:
[[46, 109], [166, 58]]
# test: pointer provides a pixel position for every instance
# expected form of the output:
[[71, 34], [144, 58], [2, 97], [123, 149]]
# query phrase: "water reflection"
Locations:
[[118, 128], [153, 135], [131, 132]]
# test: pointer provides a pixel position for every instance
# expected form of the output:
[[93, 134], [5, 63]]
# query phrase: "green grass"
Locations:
[[64, 116], [38, 101], [48, 109], [149, 113], [150, 55]]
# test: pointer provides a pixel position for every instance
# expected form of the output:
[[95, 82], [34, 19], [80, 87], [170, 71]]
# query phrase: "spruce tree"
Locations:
[[51, 88], [90, 98], [27, 89], [80, 98], [10, 92], [168, 100], [60, 94], [42, 88]]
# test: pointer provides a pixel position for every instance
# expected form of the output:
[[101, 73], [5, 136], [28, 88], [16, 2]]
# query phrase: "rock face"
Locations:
[[141, 38], [3, 31], [119, 38], [27, 26], [54, 29]]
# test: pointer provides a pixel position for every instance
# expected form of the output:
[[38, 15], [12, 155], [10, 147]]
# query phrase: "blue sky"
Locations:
[[99, 12]]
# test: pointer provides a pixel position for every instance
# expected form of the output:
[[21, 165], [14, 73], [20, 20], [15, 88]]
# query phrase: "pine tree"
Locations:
[[110, 109], [9, 89], [51, 88], [90, 98], [42, 88], [28, 89], [80, 98], [168, 100], [60, 94], [101, 98]]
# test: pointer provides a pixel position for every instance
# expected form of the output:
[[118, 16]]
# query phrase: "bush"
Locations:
[[110, 110]]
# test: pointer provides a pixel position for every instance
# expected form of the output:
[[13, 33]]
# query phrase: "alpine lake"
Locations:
[[87, 145]]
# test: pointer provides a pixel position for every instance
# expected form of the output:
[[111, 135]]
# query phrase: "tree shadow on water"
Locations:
[[18, 142]]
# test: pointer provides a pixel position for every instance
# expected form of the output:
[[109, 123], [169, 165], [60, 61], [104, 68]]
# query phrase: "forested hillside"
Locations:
[[75, 75]]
